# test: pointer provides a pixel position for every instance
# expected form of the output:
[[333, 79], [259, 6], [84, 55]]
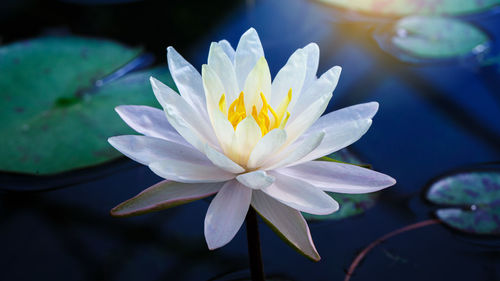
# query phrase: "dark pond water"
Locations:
[[433, 119]]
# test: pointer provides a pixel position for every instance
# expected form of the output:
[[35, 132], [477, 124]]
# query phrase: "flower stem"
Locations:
[[254, 251]]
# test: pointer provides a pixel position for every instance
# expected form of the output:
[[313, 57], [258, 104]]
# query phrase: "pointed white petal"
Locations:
[[222, 161], [248, 52], [267, 145], [296, 127], [339, 177], [287, 222], [228, 49], [258, 81], [300, 195], [223, 129], [291, 76], [190, 172], [224, 69], [163, 195], [149, 121], [295, 153], [182, 117], [188, 81], [255, 179], [342, 128], [246, 136], [312, 51], [226, 214], [213, 88], [147, 150], [324, 85]]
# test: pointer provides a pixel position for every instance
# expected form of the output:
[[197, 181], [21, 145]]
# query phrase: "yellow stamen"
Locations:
[[222, 104], [236, 112]]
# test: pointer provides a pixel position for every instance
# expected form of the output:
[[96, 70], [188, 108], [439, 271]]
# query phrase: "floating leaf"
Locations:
[[350, 204], [421, 7], [434, 38], [54, 118], [473, 199]]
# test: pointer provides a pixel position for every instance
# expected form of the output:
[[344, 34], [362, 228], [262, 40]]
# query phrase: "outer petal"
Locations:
[[287, 222], [295, 153], [255, 179], [338, 177], [147, 150], [267, 145], [190, 172], [324, 85], [223, 67], [163, 195], [228, 49], [248, 52], [226, 214], [291, 76], [312, 51], [342, 128], [222, 161], [246, 136], [149, 121], [300, 195], [183, 118], [258, 81], [188, 81], [295, 128]]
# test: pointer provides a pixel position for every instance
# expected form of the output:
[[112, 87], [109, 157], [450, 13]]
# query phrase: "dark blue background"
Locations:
[[433, 119]]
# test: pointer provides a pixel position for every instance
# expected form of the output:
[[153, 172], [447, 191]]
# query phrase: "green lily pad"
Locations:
[[471, 200], [350, 204], [428, 37], [54, 118], [420, 7]]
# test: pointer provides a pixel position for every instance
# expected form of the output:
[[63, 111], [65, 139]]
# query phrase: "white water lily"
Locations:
[[235, 133]]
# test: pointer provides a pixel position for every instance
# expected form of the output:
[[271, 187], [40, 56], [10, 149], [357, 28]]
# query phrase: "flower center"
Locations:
[[237, 112]]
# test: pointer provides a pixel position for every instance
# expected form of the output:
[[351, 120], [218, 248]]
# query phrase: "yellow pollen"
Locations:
[[236, 112]]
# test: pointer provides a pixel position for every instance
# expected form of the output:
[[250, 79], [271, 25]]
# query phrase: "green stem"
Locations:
[[254, 251]]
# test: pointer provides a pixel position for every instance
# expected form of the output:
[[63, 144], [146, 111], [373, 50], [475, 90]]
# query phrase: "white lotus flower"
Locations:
[[234, 133]]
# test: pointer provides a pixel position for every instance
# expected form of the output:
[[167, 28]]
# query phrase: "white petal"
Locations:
[[224, 69], [163, 195], [300, 195], [324, 85], [190, 172], [149, 121], [287, 222], [188, 81], [293, 154], [267, 146], [226, 214], [182, 117], [291, 76], [213, 88], [338, 177], [223, 129], [222, 161], [246, 136], [248, 52], [147, 150], [312, 51], [258, 81], [228, 49], [296, 127], [342, 128], [255, 179]]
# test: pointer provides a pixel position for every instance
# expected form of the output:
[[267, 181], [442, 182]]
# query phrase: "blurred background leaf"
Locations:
[[55, 118], [471, 201]]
